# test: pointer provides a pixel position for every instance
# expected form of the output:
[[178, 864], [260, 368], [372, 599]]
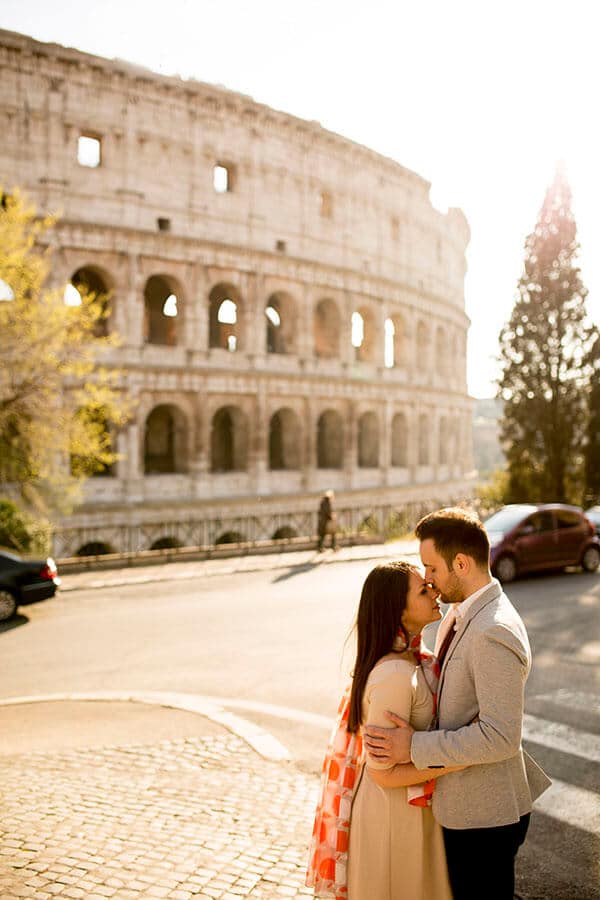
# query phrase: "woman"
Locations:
[[395, 849]]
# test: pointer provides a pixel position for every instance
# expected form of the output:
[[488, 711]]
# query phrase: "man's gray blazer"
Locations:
[[480, 703]]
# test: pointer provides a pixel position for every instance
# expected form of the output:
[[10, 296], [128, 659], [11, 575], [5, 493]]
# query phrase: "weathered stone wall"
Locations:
[[312, 226]]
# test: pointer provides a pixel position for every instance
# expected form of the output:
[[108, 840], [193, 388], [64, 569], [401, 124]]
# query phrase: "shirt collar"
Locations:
[[461, 609]]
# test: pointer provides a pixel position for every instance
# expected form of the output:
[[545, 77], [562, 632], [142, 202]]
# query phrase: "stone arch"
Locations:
[[395, 342], [284, 440], [225, 308], [399, 441], [363, 334], [230, 537], [281, 327], [165, 440], [229, 440], [95, 548], [368, 441], [284, 533], [162, 310], [423, 435], [95, 283], [96, 419], [168, 542], [327, 326], [330, 440]]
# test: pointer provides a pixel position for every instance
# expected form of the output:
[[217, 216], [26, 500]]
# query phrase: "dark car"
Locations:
[[25, 581], [593, 514], [531, 537]]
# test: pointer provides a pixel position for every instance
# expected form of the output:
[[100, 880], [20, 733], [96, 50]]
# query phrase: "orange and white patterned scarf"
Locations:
[[327, 871]]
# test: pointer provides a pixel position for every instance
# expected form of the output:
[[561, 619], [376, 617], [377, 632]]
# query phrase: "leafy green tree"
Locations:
[[50, 370], [592, 450], [544, 348], [22, 532]]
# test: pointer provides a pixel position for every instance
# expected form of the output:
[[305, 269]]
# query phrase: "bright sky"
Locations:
[[481, 100]]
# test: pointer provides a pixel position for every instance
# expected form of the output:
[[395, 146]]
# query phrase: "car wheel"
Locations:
[[506, 569], [8, 605], [591, 559]]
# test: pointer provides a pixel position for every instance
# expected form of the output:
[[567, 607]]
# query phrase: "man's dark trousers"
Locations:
[[481, 861]]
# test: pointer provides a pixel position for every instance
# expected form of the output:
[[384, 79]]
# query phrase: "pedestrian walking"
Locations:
[[327, 521]]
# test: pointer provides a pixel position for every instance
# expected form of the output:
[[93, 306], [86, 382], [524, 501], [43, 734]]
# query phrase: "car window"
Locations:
[[541, 521], [567, 519]]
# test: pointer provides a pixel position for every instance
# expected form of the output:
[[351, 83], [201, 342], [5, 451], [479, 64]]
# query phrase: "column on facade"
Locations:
[[259, 449], [385, 446], [309, 467], [350, 458], [255, 344], [346, 304], [305, 324], [133, 333], [195, 320]]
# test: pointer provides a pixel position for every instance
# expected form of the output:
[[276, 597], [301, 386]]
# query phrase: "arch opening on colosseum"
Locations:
[[284, 440], [161, 311], [330, 440], [399, 441], [363, 335], [93, 283], [229, 440], [280, 313], [368, 441], [165, 441], [224, 317]]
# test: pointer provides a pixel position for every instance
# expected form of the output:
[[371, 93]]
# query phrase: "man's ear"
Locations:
[[462, 564]]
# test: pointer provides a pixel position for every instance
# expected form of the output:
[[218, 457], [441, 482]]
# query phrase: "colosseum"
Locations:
[[290, 305]]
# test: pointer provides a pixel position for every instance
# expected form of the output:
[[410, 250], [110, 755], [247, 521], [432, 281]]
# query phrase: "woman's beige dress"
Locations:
[[396, 850]]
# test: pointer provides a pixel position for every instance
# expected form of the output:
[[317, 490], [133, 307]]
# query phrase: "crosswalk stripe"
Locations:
[[562, 738], [572, 805]]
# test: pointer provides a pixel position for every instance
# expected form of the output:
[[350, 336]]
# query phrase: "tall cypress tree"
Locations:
[[592, 450], [544, 353]]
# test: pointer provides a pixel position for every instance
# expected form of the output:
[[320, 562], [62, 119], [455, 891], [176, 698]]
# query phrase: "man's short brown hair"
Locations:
[[454, 530]]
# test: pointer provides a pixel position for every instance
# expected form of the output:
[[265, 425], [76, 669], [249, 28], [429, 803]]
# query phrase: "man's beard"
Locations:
[[453, 593]]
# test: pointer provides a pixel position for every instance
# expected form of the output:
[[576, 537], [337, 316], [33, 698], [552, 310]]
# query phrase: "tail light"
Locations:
[[49, 571]]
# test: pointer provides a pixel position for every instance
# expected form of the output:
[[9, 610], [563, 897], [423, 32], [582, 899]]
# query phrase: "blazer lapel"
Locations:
[[491, 593]]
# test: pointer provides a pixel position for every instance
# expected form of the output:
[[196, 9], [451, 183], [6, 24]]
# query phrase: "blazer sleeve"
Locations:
[[499, 664], [395, 692]]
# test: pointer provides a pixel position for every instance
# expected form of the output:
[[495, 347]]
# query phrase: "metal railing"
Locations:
[[229, 535]]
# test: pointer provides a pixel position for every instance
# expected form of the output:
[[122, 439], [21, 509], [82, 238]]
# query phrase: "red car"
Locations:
[[24, 581], [531, 537]]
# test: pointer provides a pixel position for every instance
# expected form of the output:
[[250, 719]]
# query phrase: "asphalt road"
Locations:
[[271, 645]]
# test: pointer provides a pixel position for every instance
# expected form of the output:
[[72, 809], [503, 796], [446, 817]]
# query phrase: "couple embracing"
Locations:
[[426, 791]]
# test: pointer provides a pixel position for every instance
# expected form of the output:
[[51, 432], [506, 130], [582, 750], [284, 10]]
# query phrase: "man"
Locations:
[[485, 659], [327, 521]]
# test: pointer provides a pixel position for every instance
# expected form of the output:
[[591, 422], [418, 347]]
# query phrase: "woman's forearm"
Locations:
[[407, 774]]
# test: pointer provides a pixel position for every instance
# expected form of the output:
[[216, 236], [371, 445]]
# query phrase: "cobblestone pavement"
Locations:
[[203, 817]]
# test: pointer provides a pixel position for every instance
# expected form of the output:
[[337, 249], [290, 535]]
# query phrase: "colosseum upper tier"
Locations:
[[290, 305]]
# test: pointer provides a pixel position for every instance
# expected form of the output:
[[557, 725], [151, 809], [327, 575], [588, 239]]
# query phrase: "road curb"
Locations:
[[264, 743]]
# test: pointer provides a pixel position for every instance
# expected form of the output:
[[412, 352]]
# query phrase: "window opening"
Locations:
[[89, 151], [388, 353], [358, 329], [6, 292], [170, 306], [221, 179], [163, 224]]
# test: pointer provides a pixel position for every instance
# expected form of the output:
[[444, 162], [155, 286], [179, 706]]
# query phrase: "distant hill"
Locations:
[[486, 436]]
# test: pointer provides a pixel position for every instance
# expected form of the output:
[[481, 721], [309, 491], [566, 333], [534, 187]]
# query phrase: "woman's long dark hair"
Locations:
[[382, 602]]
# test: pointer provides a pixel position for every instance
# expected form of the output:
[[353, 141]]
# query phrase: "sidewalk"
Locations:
[[247, 563], [120, 810], [169, 797]]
